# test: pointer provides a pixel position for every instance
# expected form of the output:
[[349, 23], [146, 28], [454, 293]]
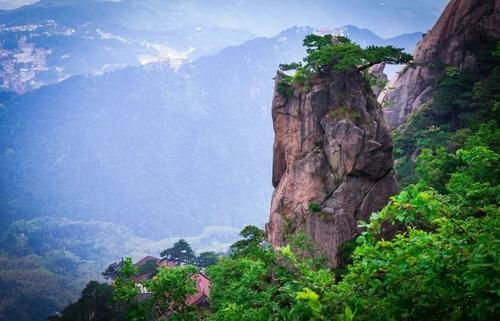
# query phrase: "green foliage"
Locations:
[[268, 285], [343, 112], [346, 250], [405, 169], [372, 81], [475, 185], [149, 268], [328, 54], [251, 244], [348, 314], [290, 66], [170, 288], [125, 293], [181, 253], [167, 293], [487, 135], [313, 207], [125, 290], [206, 259], [425, 274], [284, 86], [94, 304], [340, 54], [111, 271], [240, 290], [496, 53], [453, 96], [435, 167], [441, 264], [462, 102]]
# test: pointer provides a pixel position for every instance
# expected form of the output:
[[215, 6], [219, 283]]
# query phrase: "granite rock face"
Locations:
[[332, 147], [463, 28], [377, 72]]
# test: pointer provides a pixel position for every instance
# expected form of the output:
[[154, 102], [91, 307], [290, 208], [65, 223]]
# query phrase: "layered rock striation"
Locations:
[[332, 161], [457, 39]]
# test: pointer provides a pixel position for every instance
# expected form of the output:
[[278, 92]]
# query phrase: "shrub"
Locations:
[[313, 207], [344, 112], [284, 87]]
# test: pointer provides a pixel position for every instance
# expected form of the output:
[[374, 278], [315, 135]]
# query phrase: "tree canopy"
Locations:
[[181, 253], [339, 54]]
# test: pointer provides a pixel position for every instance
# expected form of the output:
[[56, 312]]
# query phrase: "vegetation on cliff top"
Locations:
[[327, 54]]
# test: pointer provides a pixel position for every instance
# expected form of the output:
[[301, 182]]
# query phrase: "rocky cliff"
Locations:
[[332, 161], [464, 28]]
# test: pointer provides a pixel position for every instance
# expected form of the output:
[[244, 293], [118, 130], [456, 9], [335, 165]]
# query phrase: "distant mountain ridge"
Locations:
[[41, 49], [51, 40], [366, 37], [388, 17]]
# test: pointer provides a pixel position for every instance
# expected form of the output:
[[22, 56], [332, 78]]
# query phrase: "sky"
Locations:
[[12, 4], [386, 18]]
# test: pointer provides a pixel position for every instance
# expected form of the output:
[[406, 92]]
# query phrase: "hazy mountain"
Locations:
[[12, 4], [40, 47], [387, 17], [366, 37], [52, 40]]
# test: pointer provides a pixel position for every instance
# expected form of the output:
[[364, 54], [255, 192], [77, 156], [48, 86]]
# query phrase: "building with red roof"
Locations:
[[199, 299]]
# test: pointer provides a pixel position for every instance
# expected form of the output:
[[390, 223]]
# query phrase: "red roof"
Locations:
[[202, 282], [146, 259], [202, 289], [166, 263]]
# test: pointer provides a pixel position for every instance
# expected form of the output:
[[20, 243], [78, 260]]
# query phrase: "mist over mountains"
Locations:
[[385, 17], [52, 40]]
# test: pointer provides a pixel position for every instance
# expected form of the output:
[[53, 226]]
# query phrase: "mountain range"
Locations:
[[52, 40], [265, 18]]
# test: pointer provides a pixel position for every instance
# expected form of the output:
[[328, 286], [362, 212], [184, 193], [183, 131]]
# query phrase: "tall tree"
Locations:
[[181, 253], [206, 259], [253, 238], [112, 270]]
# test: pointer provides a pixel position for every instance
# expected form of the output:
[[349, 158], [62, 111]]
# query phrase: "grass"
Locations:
[[313, 207], [344, 112]]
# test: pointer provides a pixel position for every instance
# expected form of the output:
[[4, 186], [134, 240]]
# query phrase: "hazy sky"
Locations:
[[387, 18], [11, 4]]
